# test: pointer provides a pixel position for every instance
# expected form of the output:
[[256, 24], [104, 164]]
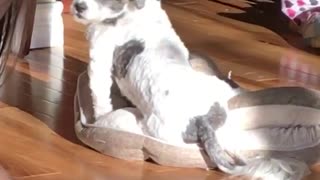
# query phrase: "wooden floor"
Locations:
[[251, 39]]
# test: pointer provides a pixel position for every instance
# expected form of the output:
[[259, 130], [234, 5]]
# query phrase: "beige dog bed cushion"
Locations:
[[127, 142], [271, 122]]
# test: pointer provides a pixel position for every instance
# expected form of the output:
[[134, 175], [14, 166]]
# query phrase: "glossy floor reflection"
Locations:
[[250, 38]]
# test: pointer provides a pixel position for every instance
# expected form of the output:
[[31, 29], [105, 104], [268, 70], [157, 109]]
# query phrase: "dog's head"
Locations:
[[99, 10]]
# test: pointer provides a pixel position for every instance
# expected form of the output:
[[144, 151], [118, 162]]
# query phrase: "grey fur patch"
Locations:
[[113, 21], [205, 62], [216, 116], [214, 119], [202, 129], [139, 3], [115, 5], [208, 65], [171, 52], [124, 55], [118, 100]]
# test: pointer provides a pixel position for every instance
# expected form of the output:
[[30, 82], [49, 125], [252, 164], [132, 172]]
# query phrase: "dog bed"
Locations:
[[271, 122], [127, 142]]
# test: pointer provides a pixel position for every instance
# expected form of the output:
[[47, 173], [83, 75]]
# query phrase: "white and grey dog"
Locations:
[[134, 43]]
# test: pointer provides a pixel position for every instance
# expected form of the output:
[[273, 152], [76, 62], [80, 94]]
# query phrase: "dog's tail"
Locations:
[[272, 169]]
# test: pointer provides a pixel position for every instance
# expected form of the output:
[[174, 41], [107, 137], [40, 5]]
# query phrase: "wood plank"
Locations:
[[39, 153]]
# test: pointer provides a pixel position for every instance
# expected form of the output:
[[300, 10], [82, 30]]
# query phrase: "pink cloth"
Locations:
[[300, 8]]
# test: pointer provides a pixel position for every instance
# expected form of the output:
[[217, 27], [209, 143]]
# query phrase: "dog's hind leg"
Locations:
[[203, 128], [206, 64]]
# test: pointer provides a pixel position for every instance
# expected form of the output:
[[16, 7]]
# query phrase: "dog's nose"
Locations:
[[80, 7]]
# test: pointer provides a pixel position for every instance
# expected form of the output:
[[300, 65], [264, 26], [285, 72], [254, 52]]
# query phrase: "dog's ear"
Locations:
[[139, 3]]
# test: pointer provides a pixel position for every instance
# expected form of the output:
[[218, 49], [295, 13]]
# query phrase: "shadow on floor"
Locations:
[[268, 14]]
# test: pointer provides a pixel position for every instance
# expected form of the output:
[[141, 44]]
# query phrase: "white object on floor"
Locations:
[[48, 29]]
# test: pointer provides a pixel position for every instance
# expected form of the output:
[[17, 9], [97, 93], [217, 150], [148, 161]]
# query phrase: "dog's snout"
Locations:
[[80, 6]]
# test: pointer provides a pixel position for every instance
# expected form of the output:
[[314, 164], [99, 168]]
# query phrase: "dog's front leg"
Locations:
[[100, 81]]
